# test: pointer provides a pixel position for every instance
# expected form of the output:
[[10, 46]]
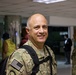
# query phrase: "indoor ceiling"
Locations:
[[28, 7]]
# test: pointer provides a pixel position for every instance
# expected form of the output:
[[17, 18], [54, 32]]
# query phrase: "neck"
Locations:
[[38, 45]]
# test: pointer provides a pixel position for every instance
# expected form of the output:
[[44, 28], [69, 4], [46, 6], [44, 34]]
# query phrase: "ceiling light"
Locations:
[[48, 1]]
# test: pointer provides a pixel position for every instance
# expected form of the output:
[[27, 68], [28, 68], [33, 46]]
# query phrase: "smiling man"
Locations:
[[37, 30], [22, 63]]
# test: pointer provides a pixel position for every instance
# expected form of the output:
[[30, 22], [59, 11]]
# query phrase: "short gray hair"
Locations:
[[28, 22]]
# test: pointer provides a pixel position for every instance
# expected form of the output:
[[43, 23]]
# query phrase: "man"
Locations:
[[37, 30], [67, 48]]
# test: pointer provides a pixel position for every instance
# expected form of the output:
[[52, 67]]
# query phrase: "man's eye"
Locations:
[[36, 27], [45, 27]]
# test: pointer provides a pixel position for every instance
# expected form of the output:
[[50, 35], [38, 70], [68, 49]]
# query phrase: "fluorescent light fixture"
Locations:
[[48, 1]]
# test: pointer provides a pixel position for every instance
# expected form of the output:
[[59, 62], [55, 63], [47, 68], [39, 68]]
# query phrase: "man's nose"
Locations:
[[41, 29]]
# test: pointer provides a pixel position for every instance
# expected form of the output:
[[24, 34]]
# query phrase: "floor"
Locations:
[[63, 69]]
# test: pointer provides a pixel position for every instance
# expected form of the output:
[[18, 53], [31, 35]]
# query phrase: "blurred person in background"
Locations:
[[67, 48], [8, 46], [24, 37]]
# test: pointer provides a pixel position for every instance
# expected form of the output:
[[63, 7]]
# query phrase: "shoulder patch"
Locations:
[[17, 65]]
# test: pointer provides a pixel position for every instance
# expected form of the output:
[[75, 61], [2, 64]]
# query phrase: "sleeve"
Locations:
[[54, 66], [15, 65]]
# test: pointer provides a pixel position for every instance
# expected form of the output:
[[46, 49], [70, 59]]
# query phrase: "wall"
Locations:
[[61, 21]]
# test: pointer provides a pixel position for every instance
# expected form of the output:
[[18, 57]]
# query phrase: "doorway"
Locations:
[[55, 40]]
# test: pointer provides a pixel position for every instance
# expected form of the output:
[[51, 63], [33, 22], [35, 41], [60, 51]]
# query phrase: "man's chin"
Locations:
[[41, 41]]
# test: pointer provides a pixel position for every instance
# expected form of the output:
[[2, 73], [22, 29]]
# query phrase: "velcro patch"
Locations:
[[17, 65]]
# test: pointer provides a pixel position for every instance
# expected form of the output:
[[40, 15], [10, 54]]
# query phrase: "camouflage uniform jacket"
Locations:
[[21, 63], [73, 57]]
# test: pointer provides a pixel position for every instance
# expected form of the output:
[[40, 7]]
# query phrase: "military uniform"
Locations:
[[21, 63], [74, 62]]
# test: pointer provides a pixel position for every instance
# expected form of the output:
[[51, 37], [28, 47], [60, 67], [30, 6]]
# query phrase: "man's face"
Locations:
[[65, 37], [38, 31]]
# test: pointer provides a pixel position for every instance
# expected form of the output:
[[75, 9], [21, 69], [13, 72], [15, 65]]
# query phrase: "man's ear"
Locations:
[[27, 30]]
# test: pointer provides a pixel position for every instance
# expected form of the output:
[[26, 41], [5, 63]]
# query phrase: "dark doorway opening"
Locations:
[[56, 40]]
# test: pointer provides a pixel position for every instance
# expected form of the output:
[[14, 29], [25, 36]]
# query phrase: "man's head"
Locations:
[[65, 36], [37, 29]]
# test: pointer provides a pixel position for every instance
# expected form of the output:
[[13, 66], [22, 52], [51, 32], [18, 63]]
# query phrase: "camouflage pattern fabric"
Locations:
[[21, 63], [74, 62]]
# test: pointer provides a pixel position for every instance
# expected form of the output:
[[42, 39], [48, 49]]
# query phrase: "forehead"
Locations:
[[38, 19]]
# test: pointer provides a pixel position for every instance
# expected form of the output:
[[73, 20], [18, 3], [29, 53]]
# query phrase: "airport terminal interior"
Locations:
[[55, 41], [61, 18]]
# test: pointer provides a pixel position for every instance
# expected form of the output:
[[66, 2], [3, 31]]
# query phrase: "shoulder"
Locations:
[[69, 39], [20, 55], [50, 50], [19, 52]]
